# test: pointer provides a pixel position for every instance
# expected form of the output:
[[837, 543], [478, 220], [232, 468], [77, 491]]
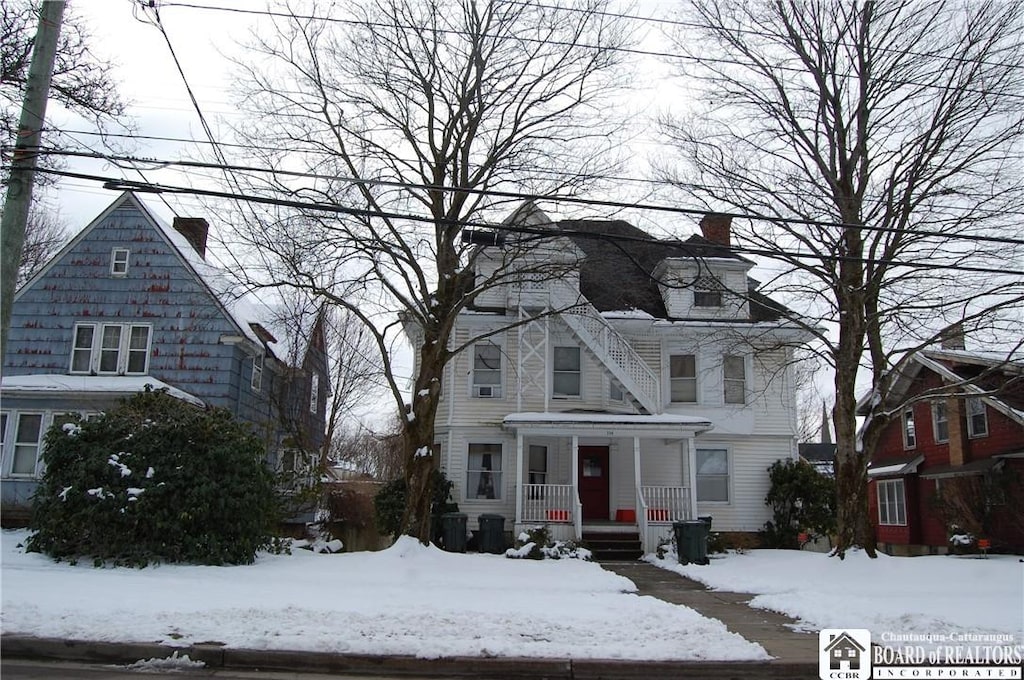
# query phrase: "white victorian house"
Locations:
[[647, 382]]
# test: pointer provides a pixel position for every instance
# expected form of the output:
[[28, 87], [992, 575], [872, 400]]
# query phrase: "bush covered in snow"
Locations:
[[536, 544], [154, 480]]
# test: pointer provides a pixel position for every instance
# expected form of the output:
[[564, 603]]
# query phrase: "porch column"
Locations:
[[577, 519], [519, 476], [691, 467], [636, 467]]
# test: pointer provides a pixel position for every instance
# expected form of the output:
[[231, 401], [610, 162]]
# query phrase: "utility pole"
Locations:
[[23, 164]]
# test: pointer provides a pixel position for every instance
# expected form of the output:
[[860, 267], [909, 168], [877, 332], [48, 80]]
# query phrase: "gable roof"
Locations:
[[617, 273], [239, 310]]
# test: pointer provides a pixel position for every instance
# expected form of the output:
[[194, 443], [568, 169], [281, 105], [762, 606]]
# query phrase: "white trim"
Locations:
[[900, 502], [115, 261], [96, 348], [582, 377], [907, 443], [729, 474]]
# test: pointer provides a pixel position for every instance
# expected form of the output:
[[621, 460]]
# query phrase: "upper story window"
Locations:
[[567, 372], [940, 421], [909, 429], [734, 379], [314, 393], [111, 348], [486, 370], [892, 503], [256, 380], [707, 292], [119, 262], [615, 392], [977, 418], [713, 475], [683, 378]]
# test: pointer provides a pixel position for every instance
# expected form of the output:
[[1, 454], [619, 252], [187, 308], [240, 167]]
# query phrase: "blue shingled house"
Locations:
[[132, 301]]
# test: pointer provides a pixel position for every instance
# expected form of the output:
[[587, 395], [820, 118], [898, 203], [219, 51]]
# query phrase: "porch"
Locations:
[[626, 472]]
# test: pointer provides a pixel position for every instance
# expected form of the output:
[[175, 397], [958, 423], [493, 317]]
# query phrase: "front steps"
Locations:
[[613, 545]]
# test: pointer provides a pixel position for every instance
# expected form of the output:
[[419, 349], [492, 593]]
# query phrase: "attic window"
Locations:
[[707, 292], [119, 262]]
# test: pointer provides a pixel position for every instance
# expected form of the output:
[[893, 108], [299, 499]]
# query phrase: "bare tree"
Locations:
[[888, 138], [45, 234], [81, 81], [409, 115]]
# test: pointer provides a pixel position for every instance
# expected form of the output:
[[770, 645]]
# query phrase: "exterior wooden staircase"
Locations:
[[613, 545]]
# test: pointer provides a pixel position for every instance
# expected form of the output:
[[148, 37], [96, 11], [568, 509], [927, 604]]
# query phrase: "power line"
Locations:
[[625, 50], [126, 185], [536, 197]]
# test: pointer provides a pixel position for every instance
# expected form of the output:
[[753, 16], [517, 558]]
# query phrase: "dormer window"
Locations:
[[119, 262], [707, 292]]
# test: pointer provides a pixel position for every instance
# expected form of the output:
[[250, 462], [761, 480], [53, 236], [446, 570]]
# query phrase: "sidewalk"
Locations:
[[796, 654], [767, 628]]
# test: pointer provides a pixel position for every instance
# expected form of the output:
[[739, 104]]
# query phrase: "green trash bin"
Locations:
[[492, 534], [691, 541], [453, 531]]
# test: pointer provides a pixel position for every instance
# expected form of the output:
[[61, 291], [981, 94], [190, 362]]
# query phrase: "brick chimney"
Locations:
[[195, 230], [717, 228], [953, 337]]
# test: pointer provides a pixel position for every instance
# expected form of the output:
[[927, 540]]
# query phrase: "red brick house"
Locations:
[[941, 453]]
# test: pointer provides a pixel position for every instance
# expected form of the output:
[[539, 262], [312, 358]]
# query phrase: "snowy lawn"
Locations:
[[407, 600], [919, 595]]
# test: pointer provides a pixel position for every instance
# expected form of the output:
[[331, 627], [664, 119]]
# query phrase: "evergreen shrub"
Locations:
[[154, 480]]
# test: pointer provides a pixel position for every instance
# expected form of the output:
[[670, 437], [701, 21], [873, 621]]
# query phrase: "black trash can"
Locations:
[[453, 531], [707, 520], [691, 541], [492, 534]]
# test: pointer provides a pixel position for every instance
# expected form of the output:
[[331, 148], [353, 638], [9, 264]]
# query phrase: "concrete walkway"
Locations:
[[764, 627]]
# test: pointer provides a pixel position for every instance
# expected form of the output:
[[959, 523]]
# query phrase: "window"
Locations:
[[977, 418], [483, 471], [734, 378], [26, 444], [110, 349], [486, 370], [314, 393], [707, 292], [566, 374], [892, 505], [119, 262], [909, 430], [3, 431], [615, 392], [538, 465], [940, 421], [713, 475], [256, 381], [683, 377]]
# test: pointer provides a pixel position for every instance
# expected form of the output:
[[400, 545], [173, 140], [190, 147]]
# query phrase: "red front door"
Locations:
[[593, 482]]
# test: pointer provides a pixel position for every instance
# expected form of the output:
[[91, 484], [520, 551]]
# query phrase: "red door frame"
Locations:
[[595, 495]]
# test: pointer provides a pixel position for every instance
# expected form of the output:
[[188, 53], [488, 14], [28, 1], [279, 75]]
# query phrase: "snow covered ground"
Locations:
[[937, 595], [406, 600]]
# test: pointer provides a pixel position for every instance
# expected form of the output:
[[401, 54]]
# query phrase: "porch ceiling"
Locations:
[[662, 425]]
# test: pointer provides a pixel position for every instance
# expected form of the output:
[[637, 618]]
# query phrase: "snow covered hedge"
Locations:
[[154, 480]]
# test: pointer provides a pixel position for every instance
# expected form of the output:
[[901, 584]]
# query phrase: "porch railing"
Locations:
[[665, 504], [549, 503]]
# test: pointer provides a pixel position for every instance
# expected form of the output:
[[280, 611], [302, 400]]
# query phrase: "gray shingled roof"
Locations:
[[617, 271]]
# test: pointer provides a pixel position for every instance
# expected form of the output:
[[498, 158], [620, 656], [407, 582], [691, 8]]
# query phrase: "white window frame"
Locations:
[[717, 476], [616, 394], [555, 394], [708, 292], [909, 426], [119, 262], [976, 407], [733, 381], [314, 393], [256, 378], [892, 502], [497, 475], [123, 349], [683, 378], [14, 422], [937, 406], [481, 387]]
